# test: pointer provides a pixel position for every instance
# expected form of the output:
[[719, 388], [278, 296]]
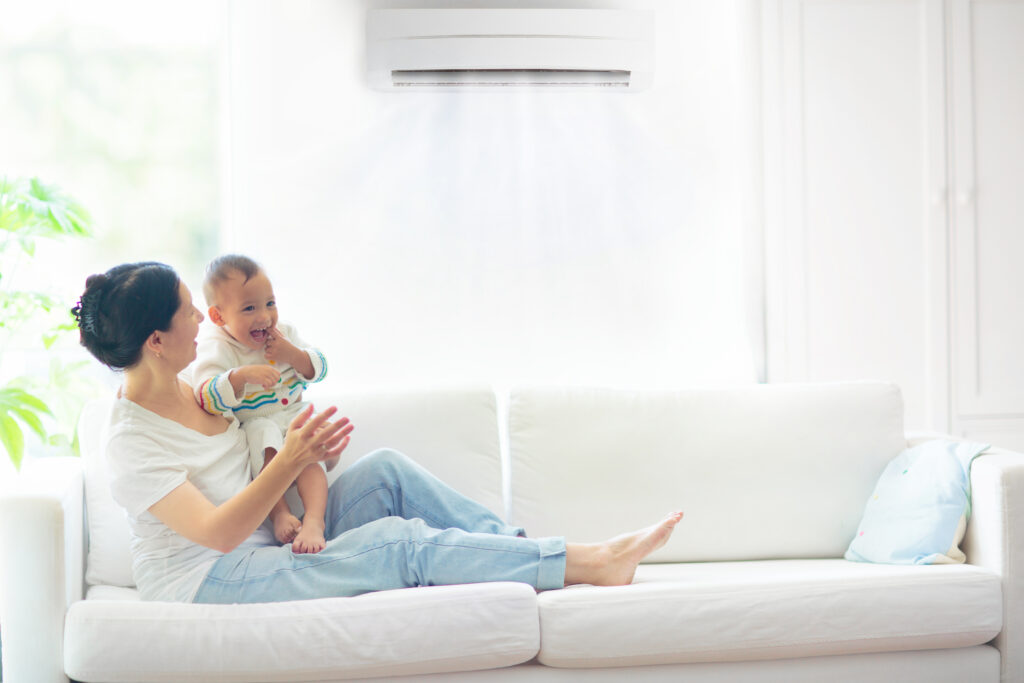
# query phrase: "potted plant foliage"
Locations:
[[44, 403]]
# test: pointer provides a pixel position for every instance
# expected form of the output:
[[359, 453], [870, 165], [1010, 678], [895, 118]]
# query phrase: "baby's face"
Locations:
[[247, 308]]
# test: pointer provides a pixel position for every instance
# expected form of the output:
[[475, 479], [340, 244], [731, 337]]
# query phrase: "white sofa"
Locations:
[[773, 480]]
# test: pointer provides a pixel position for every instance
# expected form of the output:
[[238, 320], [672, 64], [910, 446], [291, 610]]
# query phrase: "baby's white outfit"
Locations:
[[264, 413]]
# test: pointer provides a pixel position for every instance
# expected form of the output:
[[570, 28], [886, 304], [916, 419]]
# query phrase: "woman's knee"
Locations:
[[387, 459], [395, 528], [383, 465]]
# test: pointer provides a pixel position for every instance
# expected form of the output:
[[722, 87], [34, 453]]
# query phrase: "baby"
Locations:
[[256, 367]]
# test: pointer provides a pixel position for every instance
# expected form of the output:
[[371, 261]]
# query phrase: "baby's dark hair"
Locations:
[[221, 268], [119, 309]]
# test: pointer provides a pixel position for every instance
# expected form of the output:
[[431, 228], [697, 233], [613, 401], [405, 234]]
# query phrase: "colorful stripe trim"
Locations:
[[269, 401], [254, 401], [210, 399], [323, 365], [258, 396]]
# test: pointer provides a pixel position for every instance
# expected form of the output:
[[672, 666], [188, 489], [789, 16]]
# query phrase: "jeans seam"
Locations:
[[352, 504], [436, 523], [423, 515]]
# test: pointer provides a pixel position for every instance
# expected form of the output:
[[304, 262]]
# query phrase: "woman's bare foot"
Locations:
[[310, 538], [614, 562]]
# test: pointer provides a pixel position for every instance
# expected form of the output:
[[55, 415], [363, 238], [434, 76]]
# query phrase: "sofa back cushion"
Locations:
[[761, 472], [453, 433], [108, 559]]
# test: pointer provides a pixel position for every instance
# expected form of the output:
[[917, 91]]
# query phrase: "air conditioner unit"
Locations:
[[456, 49]]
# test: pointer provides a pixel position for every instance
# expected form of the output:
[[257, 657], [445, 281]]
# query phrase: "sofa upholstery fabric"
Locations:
[[436, 628], [978, 663], [731, 611], [762, 472]]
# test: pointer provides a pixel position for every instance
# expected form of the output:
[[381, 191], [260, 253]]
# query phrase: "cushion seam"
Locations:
[[801, 643]]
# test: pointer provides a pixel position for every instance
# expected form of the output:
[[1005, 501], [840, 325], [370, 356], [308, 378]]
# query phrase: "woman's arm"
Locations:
[[222, 527]]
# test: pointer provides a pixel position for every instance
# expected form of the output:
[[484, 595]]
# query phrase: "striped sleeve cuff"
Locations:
[[216, 395], [319, 365]]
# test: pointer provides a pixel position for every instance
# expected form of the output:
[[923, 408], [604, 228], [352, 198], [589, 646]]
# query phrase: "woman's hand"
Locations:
[[311, 438]]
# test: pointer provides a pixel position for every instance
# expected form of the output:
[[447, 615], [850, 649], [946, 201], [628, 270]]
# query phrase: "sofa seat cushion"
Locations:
[[733, 611], [113, 636]]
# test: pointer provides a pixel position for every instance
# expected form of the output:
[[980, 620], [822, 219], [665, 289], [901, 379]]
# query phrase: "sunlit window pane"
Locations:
[[119, 105]]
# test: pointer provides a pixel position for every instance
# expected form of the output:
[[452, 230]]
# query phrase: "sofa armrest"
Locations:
[[995, 540], [41, 566]]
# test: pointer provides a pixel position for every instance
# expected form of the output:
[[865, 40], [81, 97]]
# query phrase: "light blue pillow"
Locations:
[[919, 509]]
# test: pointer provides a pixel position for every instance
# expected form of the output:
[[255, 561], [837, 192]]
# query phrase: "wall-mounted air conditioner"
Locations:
[[454, 49]]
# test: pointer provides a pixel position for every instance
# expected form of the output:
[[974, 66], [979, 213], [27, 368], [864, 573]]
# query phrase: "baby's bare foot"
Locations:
[[286, 527], [614, 562], [310, 538]]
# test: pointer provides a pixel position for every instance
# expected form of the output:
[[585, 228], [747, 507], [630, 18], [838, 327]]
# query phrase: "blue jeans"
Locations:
[[389, 524]]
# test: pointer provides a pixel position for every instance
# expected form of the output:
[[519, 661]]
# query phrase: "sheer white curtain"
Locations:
[[424, 239]]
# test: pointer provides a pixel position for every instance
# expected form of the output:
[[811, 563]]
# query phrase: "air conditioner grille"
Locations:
[[561, 78]]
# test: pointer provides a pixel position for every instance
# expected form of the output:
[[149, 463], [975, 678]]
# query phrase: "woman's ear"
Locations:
[[155, 343], [215, 317]]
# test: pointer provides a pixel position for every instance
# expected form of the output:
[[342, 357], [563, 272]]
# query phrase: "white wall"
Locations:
[[893, 133], [617, 239], [849, 287], [505, 238]]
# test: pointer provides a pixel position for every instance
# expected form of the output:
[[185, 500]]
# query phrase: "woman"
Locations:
[[196, 514]]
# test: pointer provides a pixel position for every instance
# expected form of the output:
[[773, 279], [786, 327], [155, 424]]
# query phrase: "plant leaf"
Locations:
[[33, 209], [12, 438], [15, 398], [62, 442], [80, 220], [28, 245], [32, 420], [60, 217]]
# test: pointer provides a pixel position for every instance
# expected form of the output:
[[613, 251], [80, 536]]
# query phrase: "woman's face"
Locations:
[[179, 342]]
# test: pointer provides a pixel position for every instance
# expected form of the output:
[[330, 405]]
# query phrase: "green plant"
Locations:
[[29, 211]]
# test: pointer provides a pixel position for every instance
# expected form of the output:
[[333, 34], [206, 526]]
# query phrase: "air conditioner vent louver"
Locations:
[[457, 49], [456, 78]]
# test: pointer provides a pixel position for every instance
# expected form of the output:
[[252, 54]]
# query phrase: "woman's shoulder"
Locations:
[[131, 438], [137, 436], [131, 422]]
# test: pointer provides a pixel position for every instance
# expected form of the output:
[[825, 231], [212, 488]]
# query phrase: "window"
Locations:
[[117, 103]]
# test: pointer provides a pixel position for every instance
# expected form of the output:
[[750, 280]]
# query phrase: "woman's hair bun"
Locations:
[[95, 281], [88, 306]]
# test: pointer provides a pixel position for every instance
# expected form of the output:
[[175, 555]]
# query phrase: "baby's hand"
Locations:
[[264, 375], [279, 347]]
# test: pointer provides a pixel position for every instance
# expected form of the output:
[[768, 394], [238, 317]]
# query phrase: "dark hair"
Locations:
[[220, 269], [119, 309]]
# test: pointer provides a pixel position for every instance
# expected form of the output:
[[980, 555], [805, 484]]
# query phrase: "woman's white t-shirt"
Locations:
[[150, 456]]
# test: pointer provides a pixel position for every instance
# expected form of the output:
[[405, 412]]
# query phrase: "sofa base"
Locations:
[[979, 663]]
